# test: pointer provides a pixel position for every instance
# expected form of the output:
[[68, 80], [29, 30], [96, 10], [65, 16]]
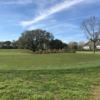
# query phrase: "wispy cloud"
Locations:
[[57, 8], [56, 28]]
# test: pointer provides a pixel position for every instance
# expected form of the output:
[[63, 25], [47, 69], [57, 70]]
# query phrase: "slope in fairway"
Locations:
[[28, 76]]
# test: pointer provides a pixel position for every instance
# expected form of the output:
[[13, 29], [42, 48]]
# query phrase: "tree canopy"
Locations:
[[35, 40]]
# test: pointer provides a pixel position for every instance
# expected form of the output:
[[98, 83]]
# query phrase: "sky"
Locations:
[[62, 18]]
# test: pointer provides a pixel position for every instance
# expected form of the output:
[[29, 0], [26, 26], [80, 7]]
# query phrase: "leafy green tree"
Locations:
[[35, 40], [57, 44]]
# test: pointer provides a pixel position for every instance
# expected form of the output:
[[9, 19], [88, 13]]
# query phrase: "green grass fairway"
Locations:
[[26, 60], [63, 76]]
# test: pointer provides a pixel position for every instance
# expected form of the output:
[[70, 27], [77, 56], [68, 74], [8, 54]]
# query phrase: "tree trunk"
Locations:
[[94, 47]]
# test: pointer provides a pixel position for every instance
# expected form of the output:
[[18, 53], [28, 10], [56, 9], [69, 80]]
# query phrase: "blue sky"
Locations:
[[60, 17]]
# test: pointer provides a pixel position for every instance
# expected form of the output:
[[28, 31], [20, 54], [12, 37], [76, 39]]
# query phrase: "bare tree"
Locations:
[[73, 45], [91, 28], [80, 45]]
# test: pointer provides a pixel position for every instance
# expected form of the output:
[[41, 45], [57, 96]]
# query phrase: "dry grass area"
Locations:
[[95, 95], [88, 52]]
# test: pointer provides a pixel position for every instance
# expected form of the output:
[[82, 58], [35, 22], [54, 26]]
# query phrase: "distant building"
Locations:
[[86, 47], [89, 45]]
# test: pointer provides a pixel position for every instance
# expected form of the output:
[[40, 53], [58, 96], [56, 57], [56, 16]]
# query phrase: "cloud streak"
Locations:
[[57, 8]]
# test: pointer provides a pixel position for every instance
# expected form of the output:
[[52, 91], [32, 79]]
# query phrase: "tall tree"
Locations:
[[91, 28], [35, 40]]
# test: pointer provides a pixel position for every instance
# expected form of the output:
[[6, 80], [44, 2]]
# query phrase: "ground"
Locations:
[[95, 94], [63, 76]]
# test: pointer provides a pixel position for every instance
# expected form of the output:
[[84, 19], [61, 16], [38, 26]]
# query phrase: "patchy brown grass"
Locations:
[[95, 95]]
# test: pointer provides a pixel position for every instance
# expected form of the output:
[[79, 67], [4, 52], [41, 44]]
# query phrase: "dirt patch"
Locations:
[[95, 95]]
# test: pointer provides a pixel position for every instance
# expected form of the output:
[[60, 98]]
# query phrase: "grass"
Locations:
[[26, 60], [28, 76]]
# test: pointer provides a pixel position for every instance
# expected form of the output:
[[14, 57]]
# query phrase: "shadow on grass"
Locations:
[[55, 71]]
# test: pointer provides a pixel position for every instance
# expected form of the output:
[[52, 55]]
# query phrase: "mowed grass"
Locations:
[[63, 76], [25, 60]]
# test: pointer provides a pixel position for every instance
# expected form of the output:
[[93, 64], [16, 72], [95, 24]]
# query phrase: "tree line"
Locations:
[[40, 41]]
